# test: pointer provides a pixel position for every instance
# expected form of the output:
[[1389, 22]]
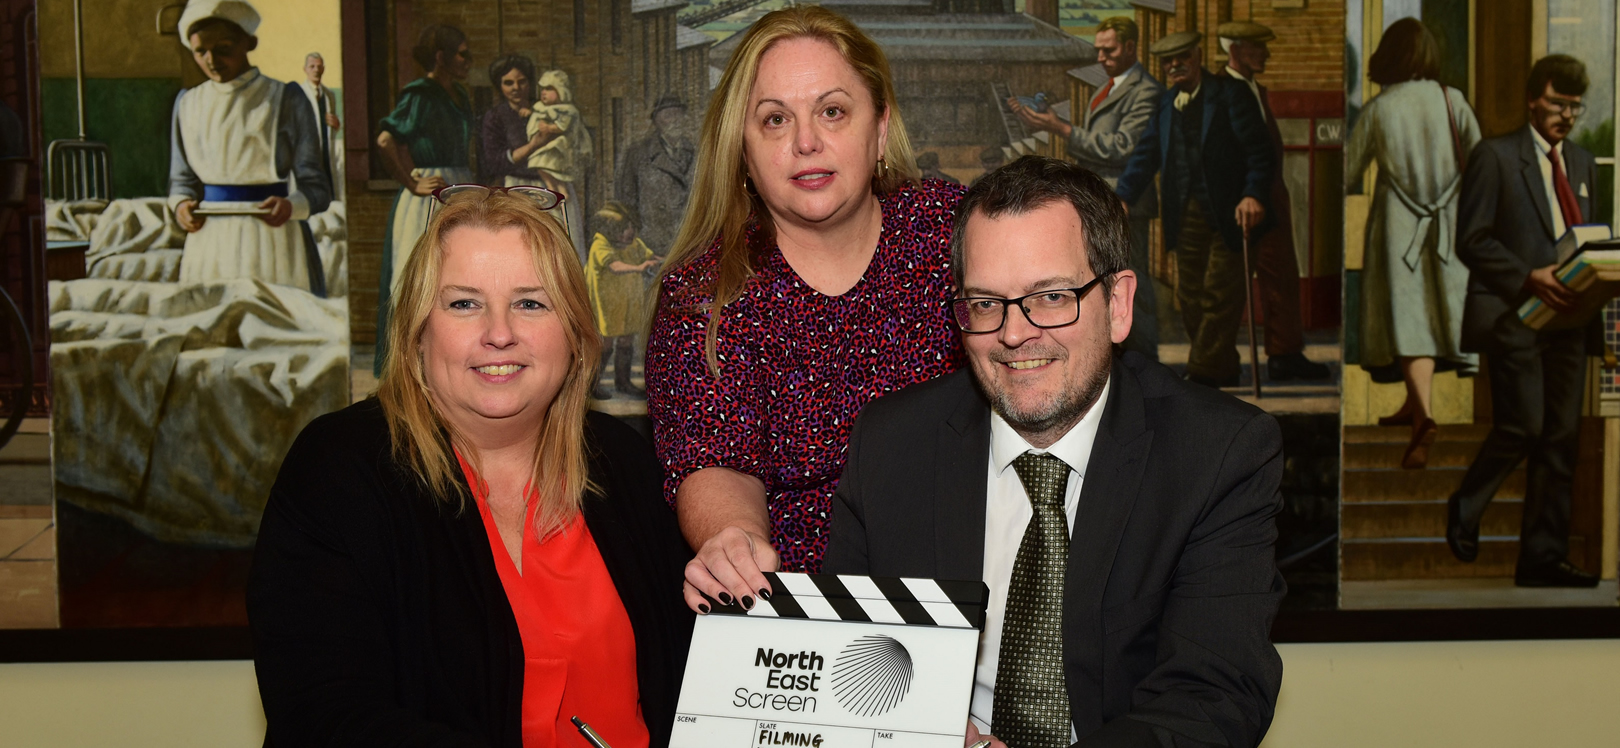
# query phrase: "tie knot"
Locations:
[[1045, 478]]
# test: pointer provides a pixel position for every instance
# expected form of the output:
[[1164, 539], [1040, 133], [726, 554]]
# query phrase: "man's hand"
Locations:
[[728, 567], [1250, 213], [426, 185], [1034, 120], [332, 121], [280, 211], [1546, 286], [189, 221], [973, 736]]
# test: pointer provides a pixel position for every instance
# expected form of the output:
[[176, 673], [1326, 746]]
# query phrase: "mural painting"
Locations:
[[222, 247], [1475, 447]]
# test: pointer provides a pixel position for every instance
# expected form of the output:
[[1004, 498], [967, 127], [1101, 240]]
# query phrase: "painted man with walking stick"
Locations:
[[1209, 144]]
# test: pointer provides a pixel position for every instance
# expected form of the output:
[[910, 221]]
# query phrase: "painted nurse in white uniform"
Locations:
[[235, 139]]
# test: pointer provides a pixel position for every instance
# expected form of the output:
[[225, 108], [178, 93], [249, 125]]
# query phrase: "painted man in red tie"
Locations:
[[1521, 193], [1107, 130]]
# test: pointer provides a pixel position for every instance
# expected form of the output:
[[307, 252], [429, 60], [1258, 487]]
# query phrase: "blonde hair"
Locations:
[[424, 441], [722, 204]]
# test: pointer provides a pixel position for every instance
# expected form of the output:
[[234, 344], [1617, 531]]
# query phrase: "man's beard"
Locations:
[[1061, 412]]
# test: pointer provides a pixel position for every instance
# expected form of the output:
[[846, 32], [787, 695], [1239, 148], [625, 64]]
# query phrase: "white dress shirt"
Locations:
[[1547, 179], [1007, 514]]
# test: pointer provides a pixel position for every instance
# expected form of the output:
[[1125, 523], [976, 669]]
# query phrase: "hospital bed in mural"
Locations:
[[173, 404]]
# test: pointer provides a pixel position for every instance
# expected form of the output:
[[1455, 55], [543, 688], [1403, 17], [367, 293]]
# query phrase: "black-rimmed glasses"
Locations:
[[545, 199], [1053, 307]]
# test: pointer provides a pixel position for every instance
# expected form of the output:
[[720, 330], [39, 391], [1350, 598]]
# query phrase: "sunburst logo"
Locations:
[[872, 675]]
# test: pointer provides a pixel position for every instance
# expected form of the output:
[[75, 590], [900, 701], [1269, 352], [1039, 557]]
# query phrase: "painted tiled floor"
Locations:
[[27, 531]]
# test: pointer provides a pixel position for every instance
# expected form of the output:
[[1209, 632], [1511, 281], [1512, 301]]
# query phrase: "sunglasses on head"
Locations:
[[545, 199]]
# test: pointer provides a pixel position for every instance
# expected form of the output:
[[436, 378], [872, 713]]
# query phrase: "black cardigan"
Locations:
[[379, 618]]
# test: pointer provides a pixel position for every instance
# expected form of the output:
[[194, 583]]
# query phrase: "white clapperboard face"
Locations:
[[834, 661]]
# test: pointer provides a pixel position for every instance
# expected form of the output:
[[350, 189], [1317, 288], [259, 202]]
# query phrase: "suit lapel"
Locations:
[[1579, 177], [963, 448], [1116, 94], [1107, 496], [1210, 92], [1533, 183]]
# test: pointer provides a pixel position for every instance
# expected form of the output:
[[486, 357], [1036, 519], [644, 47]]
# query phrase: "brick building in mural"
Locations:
[[620, 54]]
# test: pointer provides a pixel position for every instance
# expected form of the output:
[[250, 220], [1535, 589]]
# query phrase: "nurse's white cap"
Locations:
[[239, 12]]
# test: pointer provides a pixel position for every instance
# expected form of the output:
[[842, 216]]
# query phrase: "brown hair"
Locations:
[[1566, 74], [435, 39], [1407, 52], [722, 206], [1033, 182], [424, 441]]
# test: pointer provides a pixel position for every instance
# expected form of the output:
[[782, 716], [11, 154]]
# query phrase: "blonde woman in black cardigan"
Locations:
[[471, 557]]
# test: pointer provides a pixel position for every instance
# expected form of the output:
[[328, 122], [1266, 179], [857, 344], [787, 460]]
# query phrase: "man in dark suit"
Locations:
[[1209, 145], [1102, 139], [1147, 623], [1275, 267], [1520, 194]]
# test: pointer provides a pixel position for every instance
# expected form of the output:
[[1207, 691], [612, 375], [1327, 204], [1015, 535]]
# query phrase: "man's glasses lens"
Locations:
[[1054, 308]]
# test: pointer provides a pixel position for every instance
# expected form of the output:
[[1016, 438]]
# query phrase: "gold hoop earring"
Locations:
[[748, 187], [881, 171]]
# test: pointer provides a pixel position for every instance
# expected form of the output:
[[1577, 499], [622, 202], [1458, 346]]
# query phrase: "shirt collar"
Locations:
[[248, 76], [1073, 448], [1541, 143], [1119, 80]]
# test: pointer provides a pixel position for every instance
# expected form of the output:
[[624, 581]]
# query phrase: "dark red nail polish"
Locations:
[[703, 608], [724, 598], [747, 603]]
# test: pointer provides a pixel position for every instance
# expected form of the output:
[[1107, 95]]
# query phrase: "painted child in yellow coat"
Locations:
[[615, 276]]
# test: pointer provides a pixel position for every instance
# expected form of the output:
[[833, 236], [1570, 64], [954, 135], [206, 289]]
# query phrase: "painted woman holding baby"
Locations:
[[535, 136]]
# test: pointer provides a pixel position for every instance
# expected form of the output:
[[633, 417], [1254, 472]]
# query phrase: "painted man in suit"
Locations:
[[655, 175], [1123, 519], [1275, 265], [1109, 127], [1209, 146], [1520, 193]]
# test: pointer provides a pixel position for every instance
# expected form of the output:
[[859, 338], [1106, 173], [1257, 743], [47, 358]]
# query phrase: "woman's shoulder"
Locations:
[[356, 428], [619, 453], [931, 201], [692, 283]]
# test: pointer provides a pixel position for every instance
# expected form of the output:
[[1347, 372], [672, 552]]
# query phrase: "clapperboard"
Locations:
[[834, 661]]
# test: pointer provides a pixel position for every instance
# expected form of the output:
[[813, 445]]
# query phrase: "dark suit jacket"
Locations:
[[1238, 159], [1279, 206], [1172, 583], [1505, 230], [378, 615]]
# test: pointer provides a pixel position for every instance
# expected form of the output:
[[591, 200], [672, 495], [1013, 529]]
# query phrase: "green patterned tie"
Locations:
[[1031, 708]]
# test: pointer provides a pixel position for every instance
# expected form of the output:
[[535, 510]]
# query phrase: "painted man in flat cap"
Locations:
[[235, 139], [1208, 144], [1273, 252]]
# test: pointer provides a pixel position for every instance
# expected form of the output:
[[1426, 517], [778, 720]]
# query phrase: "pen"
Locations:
[[591, 737], [981, 744]]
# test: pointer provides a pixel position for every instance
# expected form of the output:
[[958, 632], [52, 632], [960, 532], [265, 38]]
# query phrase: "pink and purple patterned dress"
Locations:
[[797, 366]]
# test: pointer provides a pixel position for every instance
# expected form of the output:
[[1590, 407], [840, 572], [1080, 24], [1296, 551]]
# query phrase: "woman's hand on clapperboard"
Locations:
[[972, 739], [729, 568]]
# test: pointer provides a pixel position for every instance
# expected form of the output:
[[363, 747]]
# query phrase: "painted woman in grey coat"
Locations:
[[1413, 284]]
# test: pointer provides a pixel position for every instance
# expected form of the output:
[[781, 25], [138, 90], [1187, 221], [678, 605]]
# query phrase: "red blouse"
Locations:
[[579, 650]]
